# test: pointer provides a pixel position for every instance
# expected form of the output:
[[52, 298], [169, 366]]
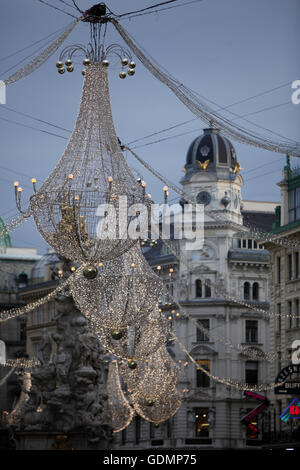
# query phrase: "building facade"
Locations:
[[211, 412], [15, 271], [284, 301]]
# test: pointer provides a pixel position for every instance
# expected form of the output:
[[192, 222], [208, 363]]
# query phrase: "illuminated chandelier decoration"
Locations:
[[152, 386], [124, 293], [91, 174], [132, 342], [157, 409], [120, 412], [155, 398], [97, 53], [156, 375]]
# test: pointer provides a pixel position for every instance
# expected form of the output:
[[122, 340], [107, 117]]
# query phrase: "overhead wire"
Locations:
[[9, 56], [33, 53], [37, 119], [57, 8], [34, 128], [129, 17], [147, 8]]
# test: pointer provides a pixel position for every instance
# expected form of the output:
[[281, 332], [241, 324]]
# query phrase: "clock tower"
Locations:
[[212, 175]]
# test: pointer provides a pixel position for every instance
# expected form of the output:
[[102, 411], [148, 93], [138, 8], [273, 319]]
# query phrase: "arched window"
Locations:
[[255, 291], [246, 290], [207, 288], [198, 285]]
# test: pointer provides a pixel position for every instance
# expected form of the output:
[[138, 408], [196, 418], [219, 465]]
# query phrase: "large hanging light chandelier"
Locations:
[[82, 208], [124, 293], [156, 374], [132, 342]]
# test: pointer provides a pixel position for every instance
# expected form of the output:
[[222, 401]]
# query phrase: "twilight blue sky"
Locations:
[[226, 50]]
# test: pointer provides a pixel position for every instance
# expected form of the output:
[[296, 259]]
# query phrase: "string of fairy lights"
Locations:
[[246, 230]]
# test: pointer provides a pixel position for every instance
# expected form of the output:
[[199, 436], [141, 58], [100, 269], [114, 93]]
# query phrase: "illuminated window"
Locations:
[[201, 422], [252, 428], [202, 379]]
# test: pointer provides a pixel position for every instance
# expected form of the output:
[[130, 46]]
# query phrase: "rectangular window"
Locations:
[[34, 317], [36, 349], [201, 336], [297, 203], [23, 331], [251, 331], [41, 315], [51, 311], [278, 269], [250, 244], [296, 264], [291, 205], [297, 313], [290, 313], [202, 379], [289, 267], [251, 373], [279, 318], [244, 242], [201, 422]]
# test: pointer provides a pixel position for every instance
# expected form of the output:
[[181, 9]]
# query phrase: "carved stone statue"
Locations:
[[68, 392]]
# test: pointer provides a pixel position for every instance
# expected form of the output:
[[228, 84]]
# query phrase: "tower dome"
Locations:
[[210, 152]]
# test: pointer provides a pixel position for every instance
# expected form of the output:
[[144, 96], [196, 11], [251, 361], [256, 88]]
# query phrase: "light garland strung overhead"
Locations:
[[201, 110], [35, 63], [11, 225], [21, 363], [229, 297], [17, 312], [224, 381], [244, 231], [6, 377]]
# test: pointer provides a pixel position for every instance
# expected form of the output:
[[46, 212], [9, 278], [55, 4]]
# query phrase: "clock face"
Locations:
[[203, 198]]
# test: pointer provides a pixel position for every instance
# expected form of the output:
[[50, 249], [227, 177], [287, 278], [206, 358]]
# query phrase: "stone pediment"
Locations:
[[203, 349], [202, 269]]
